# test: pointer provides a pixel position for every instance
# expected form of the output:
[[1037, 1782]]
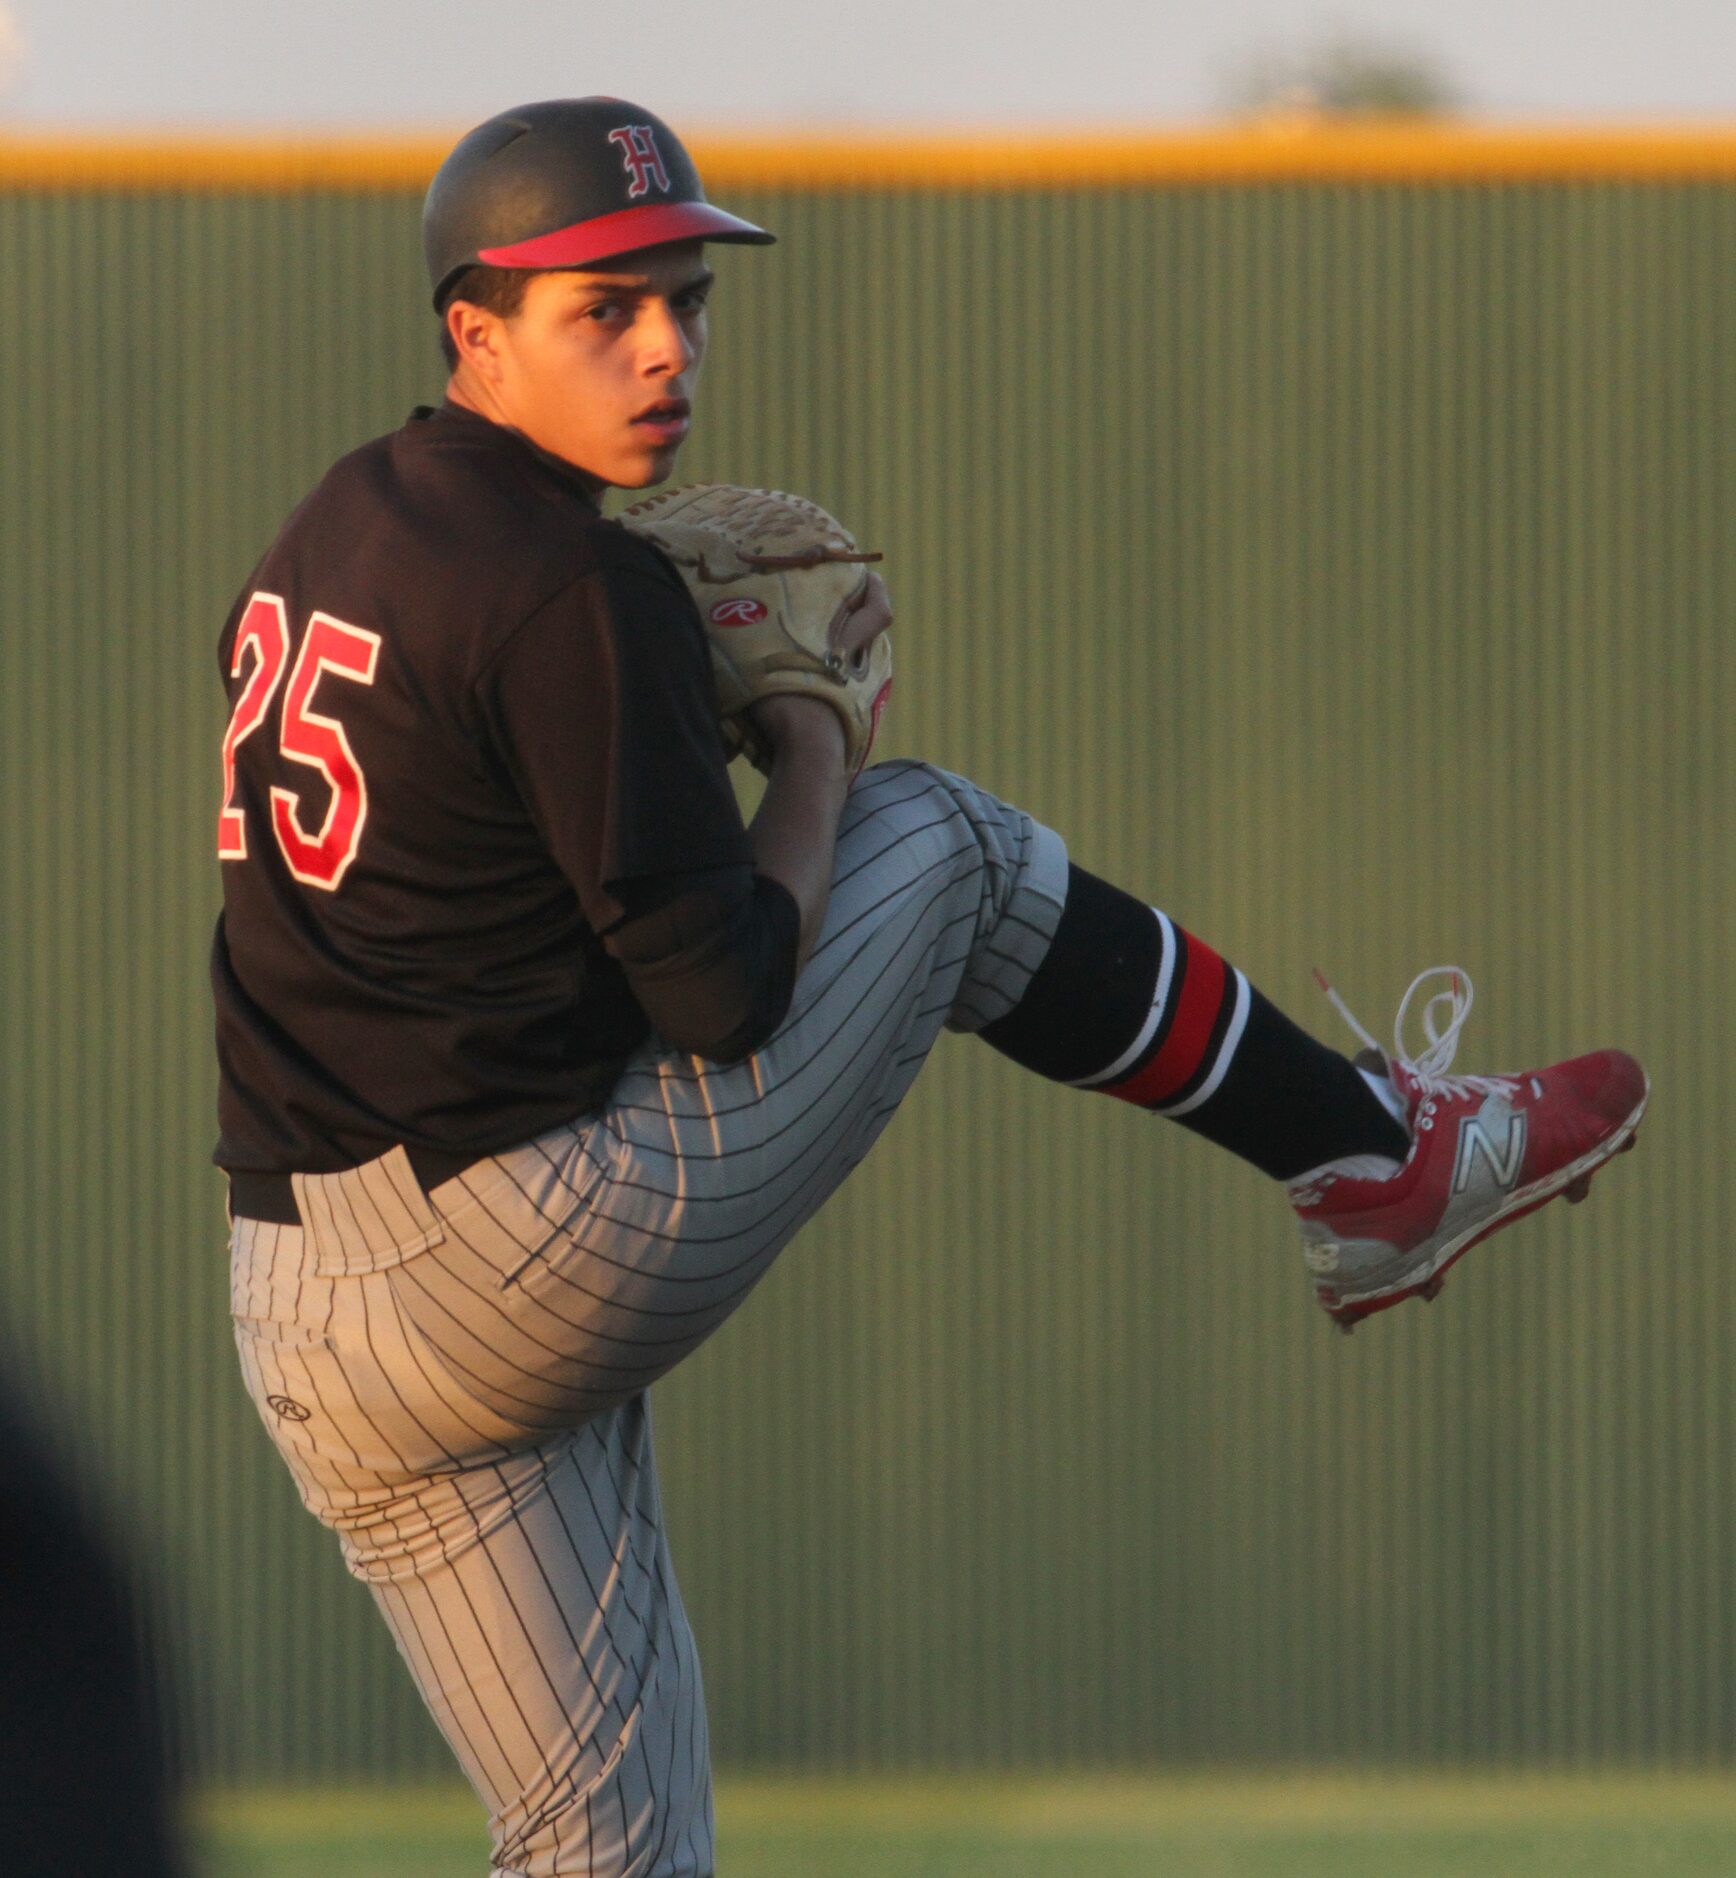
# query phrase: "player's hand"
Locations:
[[862, 621], [791, 721]]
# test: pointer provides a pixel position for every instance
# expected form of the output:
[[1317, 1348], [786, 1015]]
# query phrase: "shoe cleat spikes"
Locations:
[[1579, 1189], [1432, 1290]]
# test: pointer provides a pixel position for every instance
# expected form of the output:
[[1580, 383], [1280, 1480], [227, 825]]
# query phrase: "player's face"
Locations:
[[599, 365]]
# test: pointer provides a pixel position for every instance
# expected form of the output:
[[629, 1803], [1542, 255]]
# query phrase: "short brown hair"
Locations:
[[494, 289]]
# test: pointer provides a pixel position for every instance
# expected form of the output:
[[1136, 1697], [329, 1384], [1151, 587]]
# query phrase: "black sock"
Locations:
[[1128, 1003]]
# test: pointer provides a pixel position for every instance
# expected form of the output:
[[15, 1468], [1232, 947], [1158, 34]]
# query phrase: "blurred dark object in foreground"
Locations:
[[83, 1784]]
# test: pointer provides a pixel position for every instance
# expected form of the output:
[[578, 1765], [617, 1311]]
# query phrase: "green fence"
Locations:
[[1347, 568]]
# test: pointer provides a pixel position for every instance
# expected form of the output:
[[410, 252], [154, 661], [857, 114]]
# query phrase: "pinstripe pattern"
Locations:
[[457, 1380]]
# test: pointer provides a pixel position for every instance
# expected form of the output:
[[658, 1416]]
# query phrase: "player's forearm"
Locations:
[[796, 830]]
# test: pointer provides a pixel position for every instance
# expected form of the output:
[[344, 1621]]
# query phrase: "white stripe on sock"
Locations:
[[1226, 1052], [1159, 999]]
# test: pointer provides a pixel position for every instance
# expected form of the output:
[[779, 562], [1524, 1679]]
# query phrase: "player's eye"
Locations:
[[692, 301], [603, 311]]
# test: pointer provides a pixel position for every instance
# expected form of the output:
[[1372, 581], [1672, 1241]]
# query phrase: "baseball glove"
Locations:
[[773, 576]]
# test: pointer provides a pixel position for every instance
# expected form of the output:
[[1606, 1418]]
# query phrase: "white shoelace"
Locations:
[[1431, 1064]]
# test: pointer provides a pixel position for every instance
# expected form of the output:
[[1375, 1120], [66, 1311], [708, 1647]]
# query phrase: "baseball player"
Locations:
[[533, 1056]]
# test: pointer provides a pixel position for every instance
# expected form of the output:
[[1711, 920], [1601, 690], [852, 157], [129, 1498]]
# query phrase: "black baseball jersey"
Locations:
[[477, 836]]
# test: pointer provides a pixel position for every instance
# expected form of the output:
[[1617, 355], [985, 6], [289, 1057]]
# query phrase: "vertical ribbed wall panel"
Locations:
[[1348, 570]]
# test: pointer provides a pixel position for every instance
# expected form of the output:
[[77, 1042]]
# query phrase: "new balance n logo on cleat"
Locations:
[[1496, 1132]]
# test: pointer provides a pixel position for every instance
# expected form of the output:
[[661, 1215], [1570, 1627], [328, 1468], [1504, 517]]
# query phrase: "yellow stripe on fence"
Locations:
[[1274, 150]]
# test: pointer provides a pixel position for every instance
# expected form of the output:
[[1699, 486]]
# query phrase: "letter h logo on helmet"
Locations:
[[639, 152]]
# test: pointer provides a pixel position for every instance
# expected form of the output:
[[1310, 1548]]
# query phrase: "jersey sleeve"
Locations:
[[713, 968], [601, 708]]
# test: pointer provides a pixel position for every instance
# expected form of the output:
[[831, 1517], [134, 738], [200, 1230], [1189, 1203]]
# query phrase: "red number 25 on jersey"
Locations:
[[319, 859]]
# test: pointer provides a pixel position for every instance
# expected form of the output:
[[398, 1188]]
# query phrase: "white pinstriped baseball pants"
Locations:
[[457, 1379]]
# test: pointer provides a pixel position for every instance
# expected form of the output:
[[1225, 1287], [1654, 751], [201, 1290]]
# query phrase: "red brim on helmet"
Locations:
[[621, 233]]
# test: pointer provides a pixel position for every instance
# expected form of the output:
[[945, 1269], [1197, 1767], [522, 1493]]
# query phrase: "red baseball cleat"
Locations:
[[1484, 1150]]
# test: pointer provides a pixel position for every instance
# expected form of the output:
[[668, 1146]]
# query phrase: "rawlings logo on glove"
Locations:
[[774, 578]]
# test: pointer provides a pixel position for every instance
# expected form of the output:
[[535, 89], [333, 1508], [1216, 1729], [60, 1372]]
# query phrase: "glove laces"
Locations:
[[1443, 1016]]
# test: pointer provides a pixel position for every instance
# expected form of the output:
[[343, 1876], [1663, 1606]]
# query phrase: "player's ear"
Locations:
[[475, 335]]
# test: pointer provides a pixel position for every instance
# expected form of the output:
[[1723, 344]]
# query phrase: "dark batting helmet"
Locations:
[[566, 183]]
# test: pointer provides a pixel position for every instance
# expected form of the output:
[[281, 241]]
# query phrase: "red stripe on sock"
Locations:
[[1202, 994]]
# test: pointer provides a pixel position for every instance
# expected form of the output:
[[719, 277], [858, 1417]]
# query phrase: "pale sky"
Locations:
[[443, 63]]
